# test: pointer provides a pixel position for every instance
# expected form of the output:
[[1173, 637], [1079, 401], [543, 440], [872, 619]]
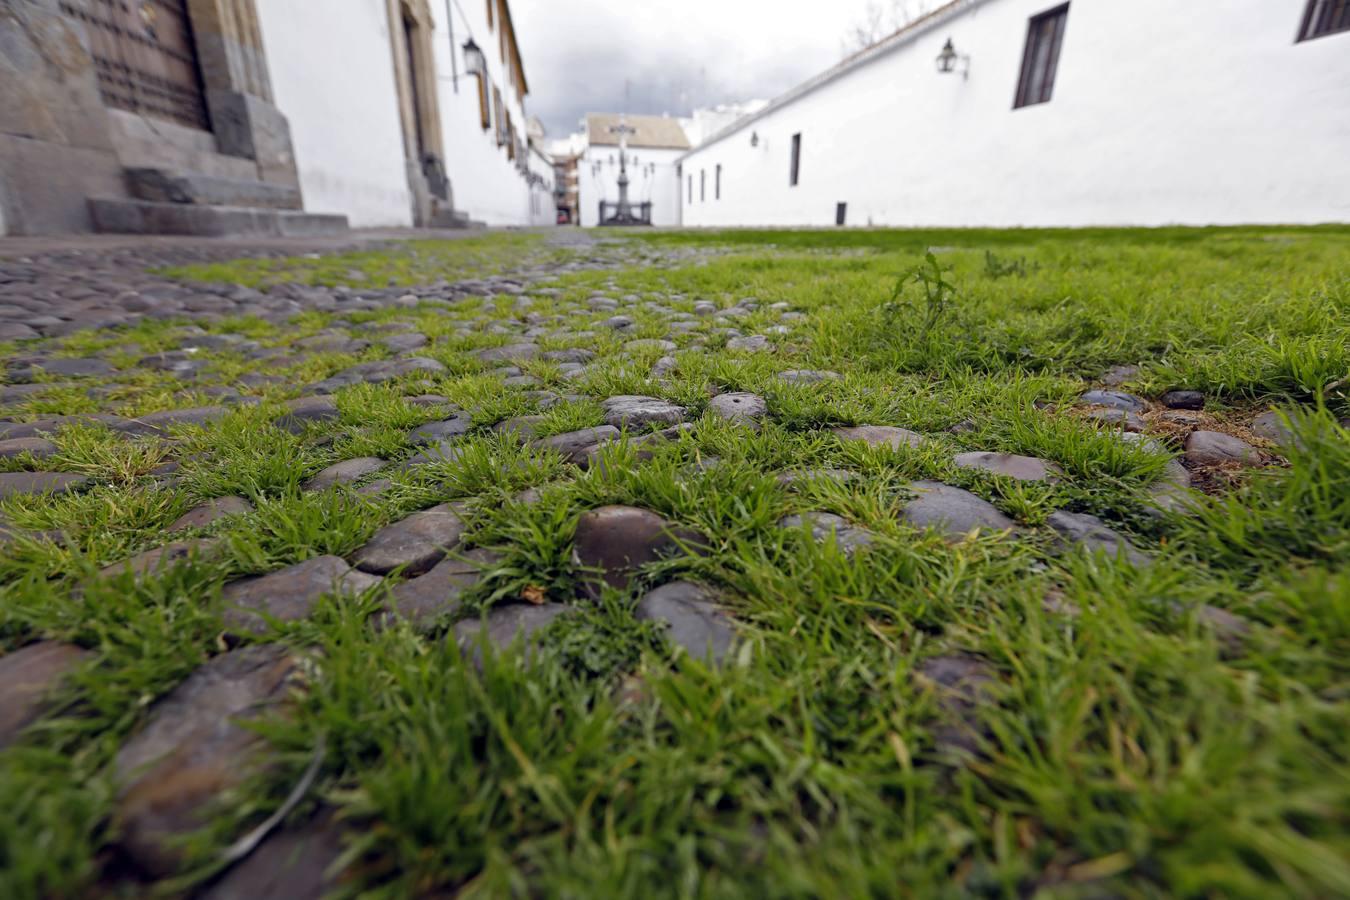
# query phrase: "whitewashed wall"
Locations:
[[661, 187], [1163, 112], [486, 184], [333, 78]]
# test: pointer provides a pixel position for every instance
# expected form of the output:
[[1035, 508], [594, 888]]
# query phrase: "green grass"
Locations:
[[1127, 750]]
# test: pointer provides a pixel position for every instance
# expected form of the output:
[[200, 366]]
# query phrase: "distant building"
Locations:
[[566, 188], [702, 124], [654, 145], [1037, 113], [262, 116]]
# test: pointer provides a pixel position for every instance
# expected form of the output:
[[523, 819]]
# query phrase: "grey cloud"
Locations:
[[587, 73]]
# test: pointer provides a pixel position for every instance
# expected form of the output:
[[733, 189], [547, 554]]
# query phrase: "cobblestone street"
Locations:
[[369, 564]]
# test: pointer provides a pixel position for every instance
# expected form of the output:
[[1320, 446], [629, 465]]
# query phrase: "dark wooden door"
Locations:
[[145, 57]]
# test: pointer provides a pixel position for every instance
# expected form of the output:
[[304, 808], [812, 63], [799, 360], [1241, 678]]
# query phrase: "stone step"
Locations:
[[171, 186], [449, 218], [116, 215], [146, 142]]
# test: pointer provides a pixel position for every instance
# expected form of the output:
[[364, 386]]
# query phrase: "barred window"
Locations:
[[1045, 34], [1324, 17]]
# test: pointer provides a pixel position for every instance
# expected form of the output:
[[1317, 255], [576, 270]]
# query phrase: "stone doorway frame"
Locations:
[[411, 27], [233, 62], [61, 145]]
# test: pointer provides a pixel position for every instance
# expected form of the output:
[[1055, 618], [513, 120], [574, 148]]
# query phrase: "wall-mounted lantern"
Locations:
[[754, 139], [475, 63], [949, 59]]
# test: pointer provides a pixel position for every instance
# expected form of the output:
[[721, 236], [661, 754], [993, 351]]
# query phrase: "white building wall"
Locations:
[[333, 78], [652, 175], [1163, 112], [487, 184]]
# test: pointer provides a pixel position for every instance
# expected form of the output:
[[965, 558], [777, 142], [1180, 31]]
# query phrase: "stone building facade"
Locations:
[[259, 116]]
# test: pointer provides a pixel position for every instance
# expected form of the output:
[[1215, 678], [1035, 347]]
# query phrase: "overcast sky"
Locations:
[[676, 54]]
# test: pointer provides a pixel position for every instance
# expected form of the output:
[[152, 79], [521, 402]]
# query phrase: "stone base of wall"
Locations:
[[45, 184], [117, 215]]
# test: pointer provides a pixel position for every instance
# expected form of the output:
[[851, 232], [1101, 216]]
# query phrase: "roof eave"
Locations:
[[886, 45]]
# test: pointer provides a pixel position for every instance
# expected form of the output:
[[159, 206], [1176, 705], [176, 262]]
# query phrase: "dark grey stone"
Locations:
[[28, 676], [950, 510], [648, 345], [290, 593], [39, 448], [961, 684], [403, 343], [415, 543], [849, 538], [295, 863], [881, 436], [628, 410], [1094, 535], [163, 558], [194, 746], [694, 619], [378, 372], [576, 446], [1214, 448], [16, 331], [739, 407], [307, 411], [799, 476], [1119, 375], [1114, 400], [1231, 631], [345, 472], [755, 343], [1010, 465], [13, 483], [161, 423], [65, 367], [179, 362], [664, 366], [504, 624], [1183, 400], [574, 355], [617, 541], [438, 593], [808, 376], [53, 424], [1270, 426], [510, 352], [441, 432], [212, 510], [523, 427]]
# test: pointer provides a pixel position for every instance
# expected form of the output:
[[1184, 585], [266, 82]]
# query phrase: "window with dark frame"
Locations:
[[717, 182], [498, 115], [702, 185], [484, 109], [796, 159], [691, 187], [1045, 35], [1324, 17]]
